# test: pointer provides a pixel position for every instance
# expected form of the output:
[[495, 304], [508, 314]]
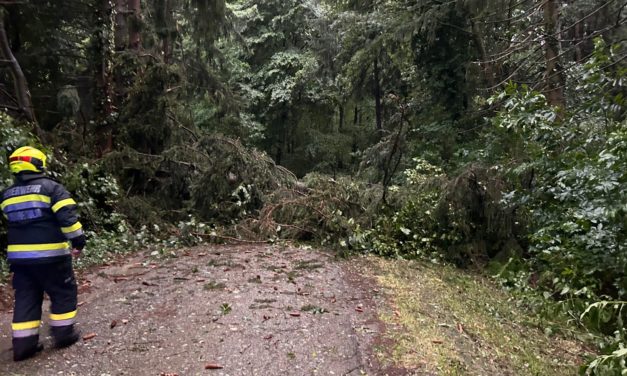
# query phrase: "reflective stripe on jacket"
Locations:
[[42, 218]]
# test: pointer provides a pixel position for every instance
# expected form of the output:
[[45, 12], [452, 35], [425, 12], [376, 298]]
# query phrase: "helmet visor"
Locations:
[[20, 158]]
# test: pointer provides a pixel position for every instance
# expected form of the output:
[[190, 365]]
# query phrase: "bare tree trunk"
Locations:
[[389, 169], [120, 41], [105, 93], [282, 142], [577, 38], [341, 123], [487, 66], [166, 50], [20, 84], [134, 30], [377, 96], [103, 56], [167, 43], [554, 79], [15, 22], [121, 26]]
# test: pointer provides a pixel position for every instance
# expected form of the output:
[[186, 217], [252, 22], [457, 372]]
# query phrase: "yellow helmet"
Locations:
[[27, 158]]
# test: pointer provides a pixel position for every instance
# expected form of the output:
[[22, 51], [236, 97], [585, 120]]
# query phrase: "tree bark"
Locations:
[[377, 96], [577, 38], [120, 41], [282, 141], [487, 66], [15, 22], [104, 96], [134, 30], [390, 171], [166, 50], [167, 43], [22, 94], [121, 27], [554, 75], [102, 57], [341, 123]]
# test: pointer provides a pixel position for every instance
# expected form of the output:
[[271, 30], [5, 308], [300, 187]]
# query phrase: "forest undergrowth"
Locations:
[[548, 226], [483, 135]]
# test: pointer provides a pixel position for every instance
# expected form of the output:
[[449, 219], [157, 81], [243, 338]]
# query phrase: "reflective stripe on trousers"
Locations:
[[64, 319], [25, 329]]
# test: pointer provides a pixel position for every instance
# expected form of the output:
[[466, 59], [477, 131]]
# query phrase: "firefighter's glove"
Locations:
[[79, 242]]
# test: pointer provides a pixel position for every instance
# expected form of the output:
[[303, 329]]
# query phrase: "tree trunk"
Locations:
[[554, 79], [15, 22], [22, 94], [487, 66], [121, 27], [341, 123], [390, 168], [510, 13], [121, 42], [167, 43], [102, 57], [166, 50], [105, 94], [377, 96], [577, 38], [282, 141], [134, 30]]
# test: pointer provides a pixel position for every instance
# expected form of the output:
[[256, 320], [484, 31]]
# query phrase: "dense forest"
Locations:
[[487, 134]]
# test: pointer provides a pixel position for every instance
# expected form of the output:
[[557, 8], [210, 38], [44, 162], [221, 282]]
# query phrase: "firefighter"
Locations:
[[43, 233]]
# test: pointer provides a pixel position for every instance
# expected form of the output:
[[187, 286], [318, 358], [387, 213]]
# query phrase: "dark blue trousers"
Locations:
[[30, 282]]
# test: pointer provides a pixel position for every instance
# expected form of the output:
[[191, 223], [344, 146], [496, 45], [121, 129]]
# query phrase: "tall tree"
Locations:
[[102, 55], [121, 25], [165, 26], [134, 38], [378, 105], [284, 75], [554, 76], [21, 90]]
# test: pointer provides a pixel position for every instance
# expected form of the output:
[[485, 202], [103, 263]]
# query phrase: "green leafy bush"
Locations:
[[575, 199], [461, 220], [545, 205]]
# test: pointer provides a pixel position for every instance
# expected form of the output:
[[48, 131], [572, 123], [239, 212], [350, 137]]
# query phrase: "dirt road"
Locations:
[[251, 310]]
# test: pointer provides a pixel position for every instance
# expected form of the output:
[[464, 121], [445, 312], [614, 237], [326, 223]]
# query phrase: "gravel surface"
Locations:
[[237, 310]]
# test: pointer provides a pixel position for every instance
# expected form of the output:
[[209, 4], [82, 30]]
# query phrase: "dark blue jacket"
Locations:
[[42, 220]]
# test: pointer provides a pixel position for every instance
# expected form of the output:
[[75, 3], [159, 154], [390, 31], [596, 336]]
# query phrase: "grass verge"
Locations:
[[446, 321]]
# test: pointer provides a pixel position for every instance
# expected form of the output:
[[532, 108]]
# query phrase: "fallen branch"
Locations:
[[231, 238]]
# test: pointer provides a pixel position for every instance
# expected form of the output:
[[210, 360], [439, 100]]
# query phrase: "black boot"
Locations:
[[27, 347], [64, 336]]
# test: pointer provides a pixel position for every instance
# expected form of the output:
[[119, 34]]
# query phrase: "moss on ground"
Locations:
[[446, 321]]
